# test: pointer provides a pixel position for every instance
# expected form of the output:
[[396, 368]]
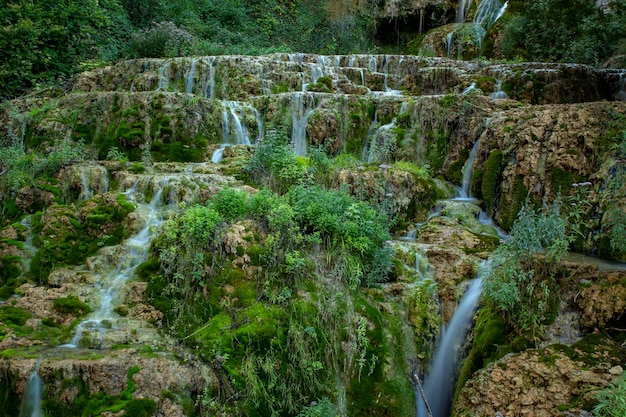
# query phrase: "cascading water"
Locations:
[[234, 129], [189, 79], [112, 283], [464, 191], [31, 401], [87, 187], [462, 10], [439, 384], [163, 77], [499, 94], [302, 106]]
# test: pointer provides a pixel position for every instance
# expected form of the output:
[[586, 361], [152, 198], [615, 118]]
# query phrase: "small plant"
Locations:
[[116, 155], [612, 400]]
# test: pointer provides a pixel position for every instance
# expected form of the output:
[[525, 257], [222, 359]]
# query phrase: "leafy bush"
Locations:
[[274, 163], [351, 230], [163, 39], [231, 203], [521, 280], [573, 31]]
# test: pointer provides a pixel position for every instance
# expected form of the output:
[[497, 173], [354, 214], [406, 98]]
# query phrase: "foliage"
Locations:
[[521, 281], [612, 400], [321, 408], [163, 39], [274, 163], [231, 203], [571, 31], [20, 168], [352, 231]]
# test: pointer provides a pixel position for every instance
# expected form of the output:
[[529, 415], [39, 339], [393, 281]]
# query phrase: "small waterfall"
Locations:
[[163, 76], [189, 79], [469, 89], [621, 94], [449, 44], [488, 12], [464, 191], [421, 265], [112, 283], [439, 384], [89, 173], [462, 10], [31, 402], [29, 249], [499, 94], [208, 80], [234, 129], [302, 106]]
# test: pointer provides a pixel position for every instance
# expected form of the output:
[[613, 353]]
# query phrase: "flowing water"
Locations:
[[499, 94], [302, 106], [31, 401], [234, 128], [111, 284], [439, 384]]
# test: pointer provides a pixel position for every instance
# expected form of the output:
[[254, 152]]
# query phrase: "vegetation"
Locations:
[[522, 281], [569, 31]]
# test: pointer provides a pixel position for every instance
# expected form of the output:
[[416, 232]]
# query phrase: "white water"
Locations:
[[189, 79], [469, 89], [31, 402], [464, 191], [163, 77], [234, 128], [488, 12], [462, 10], [302, 106], [29, 249], [439, 384], [111, 284], [86, 187], [499, 94]]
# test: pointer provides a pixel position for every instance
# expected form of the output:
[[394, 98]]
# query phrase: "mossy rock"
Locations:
[[70, 305]]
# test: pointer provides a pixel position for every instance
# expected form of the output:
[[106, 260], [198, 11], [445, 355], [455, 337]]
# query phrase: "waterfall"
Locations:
[[439, 384], [499, 94], [302, 106], [471, 87], [163, 76], [112, 283], [86, 186], [449, 44], [189, 79], [464, 191], [234, 129], [31, 402], [29, 249], [208, 81], [621, 94], [488, 12], [462, 10]]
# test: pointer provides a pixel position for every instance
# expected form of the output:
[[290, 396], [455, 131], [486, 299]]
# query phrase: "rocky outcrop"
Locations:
[[553, 381]]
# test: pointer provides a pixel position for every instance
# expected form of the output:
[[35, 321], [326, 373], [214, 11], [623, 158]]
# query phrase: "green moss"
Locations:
[[508, 211], [14, 315], [562, 180], [491, 179], [455, 172], [70, 305]]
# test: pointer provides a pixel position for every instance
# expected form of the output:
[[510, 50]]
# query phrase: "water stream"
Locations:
[[439, 384], [111, 284], [31, 401]]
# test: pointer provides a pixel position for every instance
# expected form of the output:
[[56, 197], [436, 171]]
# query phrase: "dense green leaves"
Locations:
[[521, 280], [565, 30]]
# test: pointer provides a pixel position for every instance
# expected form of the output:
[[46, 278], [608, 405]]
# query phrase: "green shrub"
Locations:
[[162, 39], [274, 163], [231, 203], [521, 279]]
